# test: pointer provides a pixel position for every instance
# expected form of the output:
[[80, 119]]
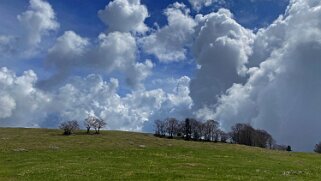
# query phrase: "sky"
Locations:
[[131, 62]]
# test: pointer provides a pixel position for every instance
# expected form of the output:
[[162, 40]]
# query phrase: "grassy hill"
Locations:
[[41, 154]]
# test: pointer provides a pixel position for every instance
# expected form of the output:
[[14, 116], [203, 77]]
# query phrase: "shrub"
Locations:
[[69, 127], [317, 148], [289, 148]]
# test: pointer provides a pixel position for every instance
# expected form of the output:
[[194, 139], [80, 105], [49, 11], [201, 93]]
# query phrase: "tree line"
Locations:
[[192, 129]]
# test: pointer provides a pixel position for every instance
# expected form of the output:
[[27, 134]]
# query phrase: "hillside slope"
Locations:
[[41, 154]]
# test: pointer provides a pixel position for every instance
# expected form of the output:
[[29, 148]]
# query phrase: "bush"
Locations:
[[289, 148], [69, 127], [317, 148]]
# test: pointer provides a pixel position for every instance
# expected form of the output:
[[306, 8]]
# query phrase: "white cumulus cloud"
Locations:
[[282, 94], [34, 24], [125, 16], [221, 49], [25, 105], [21, 103], [115, 51], [37, 21], [199, 4], [170, 42]]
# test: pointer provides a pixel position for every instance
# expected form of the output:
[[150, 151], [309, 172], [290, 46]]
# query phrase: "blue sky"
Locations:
[[134, 61], [251, 14], [82, 14]]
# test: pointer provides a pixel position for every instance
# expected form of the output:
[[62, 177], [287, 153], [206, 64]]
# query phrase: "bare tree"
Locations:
[[171, 126], [187, 129], [160, 127], [99, 123], [262, 139], [195, 127], [181, 129], [69, 127], [157, 126], [236, 132], [212, 129], [201, 130], [95, 123], [163, 129], [89, 123], [243, 134], [223, 136]]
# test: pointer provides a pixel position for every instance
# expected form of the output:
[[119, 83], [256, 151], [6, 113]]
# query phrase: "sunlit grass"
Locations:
[[40, 154]]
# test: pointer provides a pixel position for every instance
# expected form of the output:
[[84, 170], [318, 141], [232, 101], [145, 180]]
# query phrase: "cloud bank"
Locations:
[[23, 104], [281, 93]]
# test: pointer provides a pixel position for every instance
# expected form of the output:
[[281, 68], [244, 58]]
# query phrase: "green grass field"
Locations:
[[40, 154]]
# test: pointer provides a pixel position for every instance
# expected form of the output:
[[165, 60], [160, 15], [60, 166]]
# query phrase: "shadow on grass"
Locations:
[[79, 133]]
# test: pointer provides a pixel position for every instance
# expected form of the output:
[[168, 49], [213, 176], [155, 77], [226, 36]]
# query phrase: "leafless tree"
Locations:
[[223, 136], [99, 123], [236, 132], [171, 126], [95, 123], [69, 127], [243, 134], [213, 129], [187, 129], [160, 127], [89, 122], [181, 129], [262, 139], [157, 126], [195, 128]]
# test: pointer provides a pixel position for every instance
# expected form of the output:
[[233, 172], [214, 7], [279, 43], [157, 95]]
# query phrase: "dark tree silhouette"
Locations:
[[171, 126], [187, 129], [223, 136], [210, 130], [192, 129], [158, 127], [317, 148], [262, 139], [89, 123], [289, 148], [69, 127], [245, 134]]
